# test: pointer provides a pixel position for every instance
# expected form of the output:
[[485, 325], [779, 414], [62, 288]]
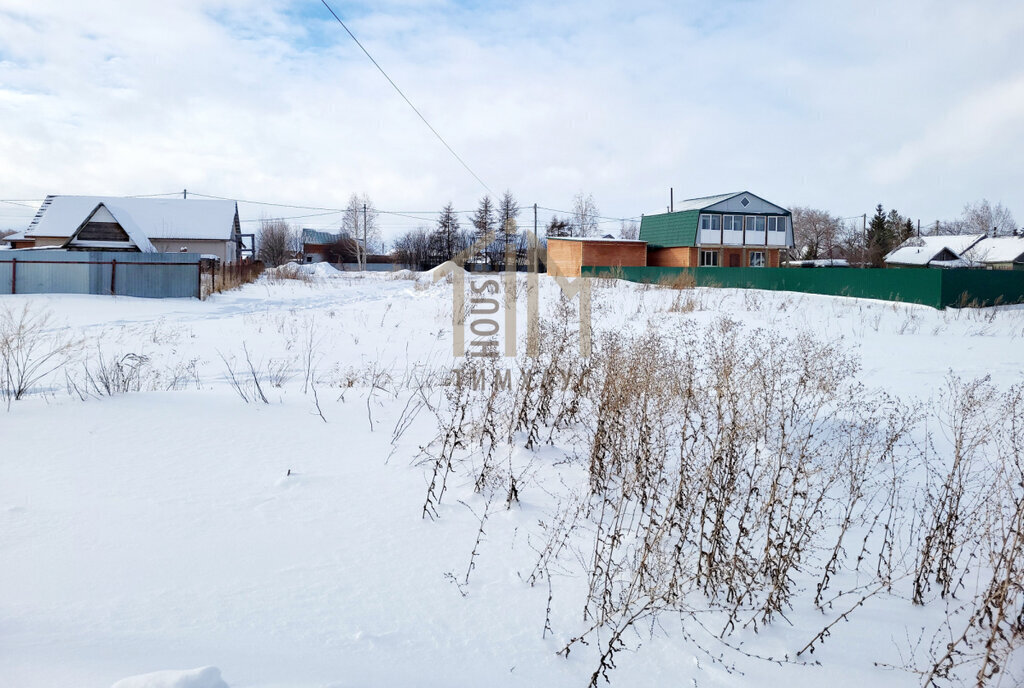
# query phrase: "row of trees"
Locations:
[[425, 246], [818, 234]]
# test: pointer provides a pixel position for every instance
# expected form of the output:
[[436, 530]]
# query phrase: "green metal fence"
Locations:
[[931, 287]]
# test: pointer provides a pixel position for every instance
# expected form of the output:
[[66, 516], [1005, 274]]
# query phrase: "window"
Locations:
[[776, 224], [709, 259], [758, 224], [732, 223], [757, 259], [710, 222]]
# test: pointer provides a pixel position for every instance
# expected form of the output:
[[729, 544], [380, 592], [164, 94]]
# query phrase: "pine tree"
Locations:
[[558, 227], [879, 238], [508, 229], [445, 240], [483, 224]]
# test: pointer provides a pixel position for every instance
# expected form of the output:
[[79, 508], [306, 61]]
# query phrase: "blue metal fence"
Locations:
[[151, 275]]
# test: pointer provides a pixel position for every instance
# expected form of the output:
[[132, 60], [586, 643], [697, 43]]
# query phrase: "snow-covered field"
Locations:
[[178, 526]]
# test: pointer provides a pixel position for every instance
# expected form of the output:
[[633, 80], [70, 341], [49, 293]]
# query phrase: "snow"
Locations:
[[1004, 249], [206, 677], [155, 218], [925, 249], [161, 529]]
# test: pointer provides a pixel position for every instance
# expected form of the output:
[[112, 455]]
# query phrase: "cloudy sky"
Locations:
[[840, 105]]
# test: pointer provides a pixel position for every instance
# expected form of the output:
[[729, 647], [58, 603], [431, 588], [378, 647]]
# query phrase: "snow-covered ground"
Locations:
[[284, 543]]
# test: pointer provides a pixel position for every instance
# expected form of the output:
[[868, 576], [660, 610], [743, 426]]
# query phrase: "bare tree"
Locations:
[[413, 248], [816, 233], [629, 230], [360, 222], [583, 222], [981, 217], [278, 243]]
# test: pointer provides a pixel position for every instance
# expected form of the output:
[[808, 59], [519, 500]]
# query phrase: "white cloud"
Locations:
[[838, 105]]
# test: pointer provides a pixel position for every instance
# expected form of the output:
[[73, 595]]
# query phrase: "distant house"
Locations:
[[728, 230], [319, 246], [16, 240], [937, 251], [108, 223], [1000, 253]]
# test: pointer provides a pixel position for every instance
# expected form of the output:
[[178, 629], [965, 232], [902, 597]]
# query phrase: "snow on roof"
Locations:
[[135, 233], [702, 202], [17, 236], [924, 249], [156, 218], [1004, 249]]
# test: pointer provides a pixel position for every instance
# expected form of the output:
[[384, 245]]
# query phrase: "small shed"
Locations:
[[566, 255]]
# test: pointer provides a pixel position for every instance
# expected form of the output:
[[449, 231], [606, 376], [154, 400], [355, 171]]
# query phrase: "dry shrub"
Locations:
[[31, 348], [225, 277], [732, 471]]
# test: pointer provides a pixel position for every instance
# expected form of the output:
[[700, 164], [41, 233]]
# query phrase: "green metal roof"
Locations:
[[670, 229], [316, 236]]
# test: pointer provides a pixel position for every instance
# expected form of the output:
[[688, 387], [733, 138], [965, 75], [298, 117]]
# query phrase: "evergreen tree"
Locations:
[[446, 239], [483, 224], [880, 238], [508, 228], [558, 227]]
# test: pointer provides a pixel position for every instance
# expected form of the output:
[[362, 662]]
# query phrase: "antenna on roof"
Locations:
[[671, 200]]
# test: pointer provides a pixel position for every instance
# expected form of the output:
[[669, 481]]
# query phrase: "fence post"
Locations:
[[14, 275], [113, 276], [199, 272]]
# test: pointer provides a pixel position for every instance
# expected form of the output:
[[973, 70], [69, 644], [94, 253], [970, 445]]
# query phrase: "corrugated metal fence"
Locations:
[[931, 287], [152, 275]]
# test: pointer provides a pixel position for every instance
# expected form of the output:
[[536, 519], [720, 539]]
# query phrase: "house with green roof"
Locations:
[[728, 230], [319, 246]]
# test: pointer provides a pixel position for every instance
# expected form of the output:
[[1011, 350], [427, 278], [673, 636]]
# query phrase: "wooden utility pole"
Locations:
[[364, 237], [864, 230]]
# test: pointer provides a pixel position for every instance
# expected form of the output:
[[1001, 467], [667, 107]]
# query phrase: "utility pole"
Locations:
[[864, 230], [535, 221], [184, 194], [671, 199], [919, 227], [364, 237]]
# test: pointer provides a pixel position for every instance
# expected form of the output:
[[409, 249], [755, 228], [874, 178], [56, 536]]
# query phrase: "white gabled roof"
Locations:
[[925, 249], [702, 202], [1003, 249], [736, 202], [155, 218], [136, 236]]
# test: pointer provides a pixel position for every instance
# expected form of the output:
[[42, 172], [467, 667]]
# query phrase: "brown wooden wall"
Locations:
[[680, 257], [565, 257], [614, 253]]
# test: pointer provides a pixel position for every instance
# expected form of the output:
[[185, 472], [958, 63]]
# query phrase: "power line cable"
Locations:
[[409, 102]]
